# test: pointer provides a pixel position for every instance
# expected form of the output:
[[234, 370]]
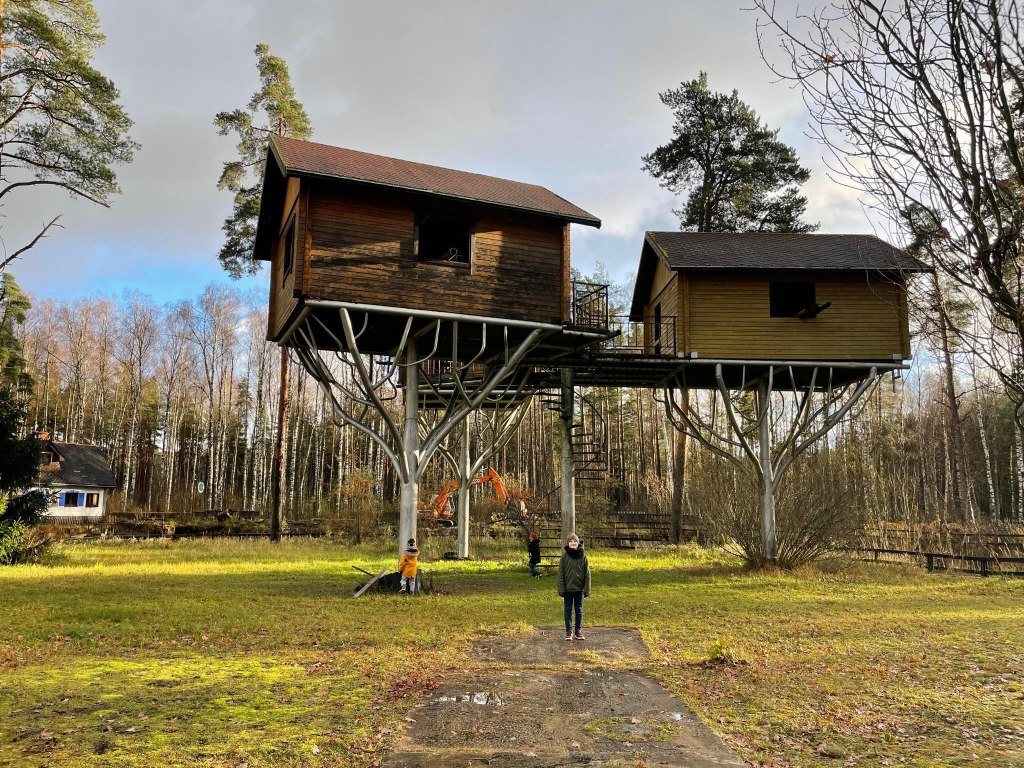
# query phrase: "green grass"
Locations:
[[222, 653]]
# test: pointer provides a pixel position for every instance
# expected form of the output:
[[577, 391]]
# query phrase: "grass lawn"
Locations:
[[226, 653]]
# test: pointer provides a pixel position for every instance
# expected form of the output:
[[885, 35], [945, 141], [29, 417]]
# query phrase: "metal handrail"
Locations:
[[589, 304], [658, 339]]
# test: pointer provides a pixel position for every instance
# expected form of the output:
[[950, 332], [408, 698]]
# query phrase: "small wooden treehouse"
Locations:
[[763, 297], [375, 234]]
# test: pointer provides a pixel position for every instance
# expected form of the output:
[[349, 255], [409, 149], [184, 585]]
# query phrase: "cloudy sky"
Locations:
[[561, 94]]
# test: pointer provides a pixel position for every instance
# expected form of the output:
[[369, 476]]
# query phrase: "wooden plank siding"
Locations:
[[283, 299], [668, 298], [361, 251], [727, 316]]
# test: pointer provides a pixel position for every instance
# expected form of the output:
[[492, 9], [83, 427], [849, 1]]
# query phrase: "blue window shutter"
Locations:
[[81, 499], [60, 499]]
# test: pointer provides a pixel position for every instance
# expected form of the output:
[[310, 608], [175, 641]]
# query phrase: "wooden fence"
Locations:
[[977, 565]]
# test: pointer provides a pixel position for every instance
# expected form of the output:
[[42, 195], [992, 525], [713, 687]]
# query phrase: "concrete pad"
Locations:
[[537, 718], [547, 647]]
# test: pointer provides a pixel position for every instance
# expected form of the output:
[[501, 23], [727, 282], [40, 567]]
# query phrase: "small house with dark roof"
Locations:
[[77, 479], [765, 296], [374, 232]]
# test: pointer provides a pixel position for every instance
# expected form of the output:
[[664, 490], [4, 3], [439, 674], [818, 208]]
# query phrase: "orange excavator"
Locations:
[[440, 507]]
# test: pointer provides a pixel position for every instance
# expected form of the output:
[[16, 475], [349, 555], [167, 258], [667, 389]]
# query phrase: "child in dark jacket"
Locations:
[[573, 584], [533, 545]]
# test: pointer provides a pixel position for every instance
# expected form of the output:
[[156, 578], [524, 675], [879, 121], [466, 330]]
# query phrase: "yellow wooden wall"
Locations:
[[727, 316], [664, 291]]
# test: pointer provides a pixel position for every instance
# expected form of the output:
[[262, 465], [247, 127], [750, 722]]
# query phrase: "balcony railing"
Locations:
[[589, 305], [650, 337]]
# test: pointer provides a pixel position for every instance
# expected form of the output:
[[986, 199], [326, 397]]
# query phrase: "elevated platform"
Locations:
[[379, 330], [599, 368], [601, 351]]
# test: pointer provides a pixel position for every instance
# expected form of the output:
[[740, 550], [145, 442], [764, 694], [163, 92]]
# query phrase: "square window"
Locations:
[[789, 299], [71, 499], [444, 239], [92, 499]]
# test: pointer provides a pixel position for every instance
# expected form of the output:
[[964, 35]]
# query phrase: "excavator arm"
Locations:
[[439, 505]]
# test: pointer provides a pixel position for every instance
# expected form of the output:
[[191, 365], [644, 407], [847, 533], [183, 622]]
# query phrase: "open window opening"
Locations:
[[289, 252], [444, 239], [790, 299], [71, 498]]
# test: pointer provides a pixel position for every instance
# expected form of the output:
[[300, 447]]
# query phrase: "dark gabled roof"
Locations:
[[305, 158], [767, 250], [80, 465]]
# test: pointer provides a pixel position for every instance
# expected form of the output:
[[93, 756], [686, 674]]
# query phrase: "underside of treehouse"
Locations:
[[397, 250]]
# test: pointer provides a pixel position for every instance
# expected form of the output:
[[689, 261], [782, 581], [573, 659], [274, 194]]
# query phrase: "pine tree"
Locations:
[[62, 125], [284, 116], [736, 174], [14, 306]]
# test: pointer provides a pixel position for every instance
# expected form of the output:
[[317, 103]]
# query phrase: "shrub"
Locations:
[[814, 513], [20, 539]]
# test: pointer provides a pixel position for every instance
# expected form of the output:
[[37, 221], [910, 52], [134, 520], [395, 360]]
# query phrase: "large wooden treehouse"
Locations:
[[454, 286], [390, 240], [453, 290]]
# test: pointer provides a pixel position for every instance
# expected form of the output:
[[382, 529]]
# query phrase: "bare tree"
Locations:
[[211, 325], [749, 438], [918, 104], [139, 323]]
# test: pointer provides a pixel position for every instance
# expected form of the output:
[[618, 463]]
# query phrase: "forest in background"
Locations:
[[186, 393]]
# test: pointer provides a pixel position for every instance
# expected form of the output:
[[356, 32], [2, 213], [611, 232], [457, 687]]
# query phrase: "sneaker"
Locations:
[[579, 635], [568, 636]]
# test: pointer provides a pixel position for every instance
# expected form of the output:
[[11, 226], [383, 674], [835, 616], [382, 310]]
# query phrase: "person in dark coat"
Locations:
[[573, 584], [533, 546]]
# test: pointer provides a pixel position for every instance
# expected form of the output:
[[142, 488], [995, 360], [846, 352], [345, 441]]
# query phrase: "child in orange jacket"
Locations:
[[407, 566]]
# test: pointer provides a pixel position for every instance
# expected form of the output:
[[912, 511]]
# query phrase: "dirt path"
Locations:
[[536, 701]]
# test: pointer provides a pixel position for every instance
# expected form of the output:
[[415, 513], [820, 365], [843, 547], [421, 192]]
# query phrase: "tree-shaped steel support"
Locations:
[[357, 385], [499, 422], [747, 440]]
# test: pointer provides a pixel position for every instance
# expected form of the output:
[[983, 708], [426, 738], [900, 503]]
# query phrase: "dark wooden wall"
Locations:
[[359, 248], [283, 293]]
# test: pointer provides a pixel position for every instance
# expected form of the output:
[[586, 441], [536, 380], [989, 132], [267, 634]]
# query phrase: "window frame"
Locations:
[[91, 497], [423, 216], [66, 494], [288, 250], [774, 285]]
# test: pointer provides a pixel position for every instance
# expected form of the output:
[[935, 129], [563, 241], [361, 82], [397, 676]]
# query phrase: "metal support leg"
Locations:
[[769, 545], [411, 447], [568, 488], [465, 477]]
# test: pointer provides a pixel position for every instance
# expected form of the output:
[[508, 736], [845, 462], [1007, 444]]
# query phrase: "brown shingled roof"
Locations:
[[305, 158]]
